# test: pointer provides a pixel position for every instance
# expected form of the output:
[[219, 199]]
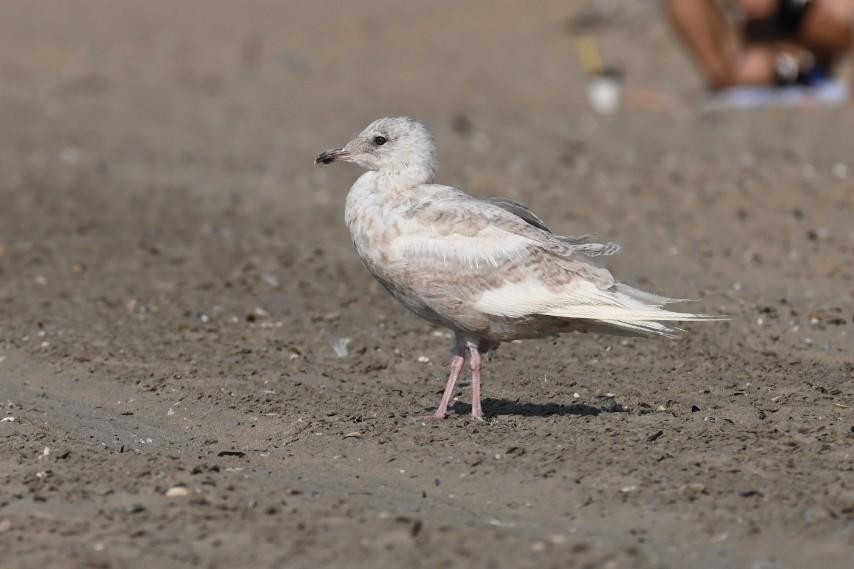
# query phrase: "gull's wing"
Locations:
[[459, 253], [582, 243], [591, 249], [461, 230], [519, 210]]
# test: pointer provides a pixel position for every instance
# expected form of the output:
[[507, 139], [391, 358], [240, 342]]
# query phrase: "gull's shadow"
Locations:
[[495, 407]]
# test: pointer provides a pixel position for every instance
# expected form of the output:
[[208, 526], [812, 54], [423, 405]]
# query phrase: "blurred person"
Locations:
[[744, 44]]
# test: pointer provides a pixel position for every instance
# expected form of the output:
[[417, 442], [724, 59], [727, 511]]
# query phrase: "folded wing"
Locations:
[[504, 265], [583, 243]]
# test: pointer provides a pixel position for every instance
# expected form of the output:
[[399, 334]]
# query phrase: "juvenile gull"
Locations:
[[489, 270]]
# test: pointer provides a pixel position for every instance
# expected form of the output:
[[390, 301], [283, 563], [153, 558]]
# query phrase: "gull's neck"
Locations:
[[407, 175]]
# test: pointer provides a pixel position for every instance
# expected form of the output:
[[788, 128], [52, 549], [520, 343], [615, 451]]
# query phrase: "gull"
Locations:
[[489, 270]]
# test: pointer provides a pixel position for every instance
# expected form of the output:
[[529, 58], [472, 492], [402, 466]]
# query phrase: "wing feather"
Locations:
[[506, 263], [582, 243]]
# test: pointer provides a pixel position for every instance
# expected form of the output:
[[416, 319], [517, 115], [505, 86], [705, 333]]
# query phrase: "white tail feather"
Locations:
[[620, 308], [628, 314], [644, 328], [647, 297], [633, 310]]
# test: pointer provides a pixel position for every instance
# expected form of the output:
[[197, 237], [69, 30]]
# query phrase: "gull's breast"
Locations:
[[375, 229]]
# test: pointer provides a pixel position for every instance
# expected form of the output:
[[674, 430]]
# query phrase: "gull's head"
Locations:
[[396, 146]]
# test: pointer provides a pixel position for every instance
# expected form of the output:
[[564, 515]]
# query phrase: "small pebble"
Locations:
[[177, 491], [339, 346], [271, 280], [260, 312], [693, 489]]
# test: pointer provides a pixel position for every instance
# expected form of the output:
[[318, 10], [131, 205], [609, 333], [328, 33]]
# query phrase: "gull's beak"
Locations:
[[330, 156]]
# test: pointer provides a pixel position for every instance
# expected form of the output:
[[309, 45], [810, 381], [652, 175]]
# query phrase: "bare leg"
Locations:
[[715, 44], [824, 35], [755, 65], [475, 362], [828, 29], [712, 39], [458, 360], [726, 59]]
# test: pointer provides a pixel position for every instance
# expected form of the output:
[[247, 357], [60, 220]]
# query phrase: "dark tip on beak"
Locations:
[[329, 156]]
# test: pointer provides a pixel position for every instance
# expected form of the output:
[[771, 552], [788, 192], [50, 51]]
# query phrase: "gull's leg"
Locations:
[[475, 362], [458, 360]]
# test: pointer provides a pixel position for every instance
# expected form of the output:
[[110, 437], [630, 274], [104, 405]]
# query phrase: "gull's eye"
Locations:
[[380, 140]]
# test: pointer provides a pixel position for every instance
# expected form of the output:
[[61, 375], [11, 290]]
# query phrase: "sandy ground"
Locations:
[[174, 274]]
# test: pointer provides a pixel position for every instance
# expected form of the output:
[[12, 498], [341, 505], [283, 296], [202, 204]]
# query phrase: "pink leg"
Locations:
[[476, 410], [457, 363]]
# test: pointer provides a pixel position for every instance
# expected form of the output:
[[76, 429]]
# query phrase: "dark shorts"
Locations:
[[784, 25]]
